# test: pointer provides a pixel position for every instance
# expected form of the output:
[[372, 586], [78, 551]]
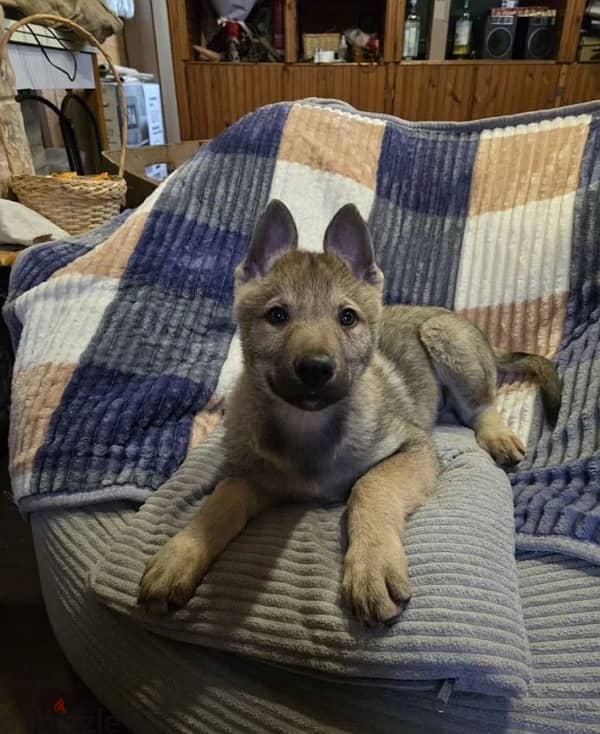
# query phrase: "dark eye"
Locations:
[[348, 317], [277, 315]]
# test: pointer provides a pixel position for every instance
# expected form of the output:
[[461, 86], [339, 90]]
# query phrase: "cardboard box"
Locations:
[[146, 167], [590, 51]]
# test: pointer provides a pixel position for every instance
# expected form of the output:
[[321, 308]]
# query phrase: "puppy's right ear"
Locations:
[[274, 235]]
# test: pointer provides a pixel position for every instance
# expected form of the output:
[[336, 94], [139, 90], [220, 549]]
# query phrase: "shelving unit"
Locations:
[[212, 96]]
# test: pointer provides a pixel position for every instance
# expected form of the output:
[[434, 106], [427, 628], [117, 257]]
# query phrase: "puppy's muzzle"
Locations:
[[314, 370]]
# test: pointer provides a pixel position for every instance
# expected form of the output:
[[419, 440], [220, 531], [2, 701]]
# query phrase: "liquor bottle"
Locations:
[[463, 34], [232, 41], [412, 33]]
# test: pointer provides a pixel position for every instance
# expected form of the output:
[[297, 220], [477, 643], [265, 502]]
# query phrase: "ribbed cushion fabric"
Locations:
[[160, 686], [275, 592]]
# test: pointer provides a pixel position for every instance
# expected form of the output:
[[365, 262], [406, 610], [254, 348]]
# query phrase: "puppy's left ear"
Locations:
[[348, 237]]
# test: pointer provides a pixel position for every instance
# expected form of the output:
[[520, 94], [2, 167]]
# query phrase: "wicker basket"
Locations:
[[81, 203], [325, 41]]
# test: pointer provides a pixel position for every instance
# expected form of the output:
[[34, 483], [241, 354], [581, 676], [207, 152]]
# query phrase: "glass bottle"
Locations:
[[232, 45], [412, 33], [463, 34]]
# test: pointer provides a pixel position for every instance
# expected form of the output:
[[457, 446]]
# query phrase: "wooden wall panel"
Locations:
[[506, 88], [570, 26], [363, 86], [395, 14], [582, 83], [390, 34], [221, 93], [290, 29], [180, 49], [434, 91]]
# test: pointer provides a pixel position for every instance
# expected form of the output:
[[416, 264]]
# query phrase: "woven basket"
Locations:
[[82, 203], [325, 41]]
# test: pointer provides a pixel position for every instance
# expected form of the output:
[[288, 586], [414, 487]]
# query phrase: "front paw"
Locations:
[[376, 584], [172, 574]]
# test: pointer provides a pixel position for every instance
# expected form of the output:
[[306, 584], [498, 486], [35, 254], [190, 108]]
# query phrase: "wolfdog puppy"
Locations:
[[337, 400]]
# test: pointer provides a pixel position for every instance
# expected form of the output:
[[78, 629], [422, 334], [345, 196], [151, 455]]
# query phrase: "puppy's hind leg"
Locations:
[[466, 366]]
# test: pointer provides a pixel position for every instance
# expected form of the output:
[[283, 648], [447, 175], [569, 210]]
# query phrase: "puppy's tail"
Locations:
[[541, 371]]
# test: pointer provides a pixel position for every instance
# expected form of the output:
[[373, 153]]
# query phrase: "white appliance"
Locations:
[[149, 49]]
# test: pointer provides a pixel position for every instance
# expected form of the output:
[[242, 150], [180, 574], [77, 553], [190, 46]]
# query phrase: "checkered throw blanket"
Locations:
[[125, 341]]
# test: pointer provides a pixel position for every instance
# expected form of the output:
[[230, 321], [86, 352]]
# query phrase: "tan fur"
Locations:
[[376, 582], [180, 565], [496, 438]]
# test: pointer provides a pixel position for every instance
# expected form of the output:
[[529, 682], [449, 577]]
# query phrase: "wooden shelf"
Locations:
[[476, 62], [237, 64], [363, 65], [213, 95], [302, 64], [339, 65]]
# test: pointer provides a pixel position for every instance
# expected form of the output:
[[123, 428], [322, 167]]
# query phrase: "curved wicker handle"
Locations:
[[57, 20]]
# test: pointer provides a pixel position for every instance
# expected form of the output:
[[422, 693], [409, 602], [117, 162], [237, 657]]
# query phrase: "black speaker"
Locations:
[[536, 38], [498, 37]]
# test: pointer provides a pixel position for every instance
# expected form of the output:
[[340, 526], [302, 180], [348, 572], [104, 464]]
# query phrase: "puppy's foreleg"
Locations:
[[376, 583], [174, 572]]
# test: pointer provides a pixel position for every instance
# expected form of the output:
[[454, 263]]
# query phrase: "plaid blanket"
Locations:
[[125, 341]]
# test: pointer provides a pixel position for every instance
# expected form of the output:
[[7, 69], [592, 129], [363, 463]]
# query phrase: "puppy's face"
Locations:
[[308, 322]]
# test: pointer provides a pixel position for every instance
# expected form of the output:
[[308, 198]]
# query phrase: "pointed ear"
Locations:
[[348, 237], [274, 234]]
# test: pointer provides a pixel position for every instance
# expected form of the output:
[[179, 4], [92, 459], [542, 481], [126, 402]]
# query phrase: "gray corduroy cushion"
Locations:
[[274, 594]]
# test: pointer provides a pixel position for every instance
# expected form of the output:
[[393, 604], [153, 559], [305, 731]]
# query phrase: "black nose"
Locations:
[[315, 370]]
